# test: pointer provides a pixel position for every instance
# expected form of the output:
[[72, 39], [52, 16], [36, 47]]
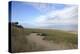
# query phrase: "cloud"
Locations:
[[43, 8], [66, 16]]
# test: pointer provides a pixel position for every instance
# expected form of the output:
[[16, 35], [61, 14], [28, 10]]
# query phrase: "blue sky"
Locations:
[[23, 13], [44, 15]]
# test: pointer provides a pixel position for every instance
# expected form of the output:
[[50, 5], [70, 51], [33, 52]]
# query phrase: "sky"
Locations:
[[45, 15]]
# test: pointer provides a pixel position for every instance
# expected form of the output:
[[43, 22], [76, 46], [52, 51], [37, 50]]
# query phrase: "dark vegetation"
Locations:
[[34, 32], [42, 34], [16, 24]]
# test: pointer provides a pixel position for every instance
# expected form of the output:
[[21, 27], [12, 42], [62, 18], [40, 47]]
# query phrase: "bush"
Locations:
[[44, 38], [38, 34], [16, 24], [34, 32], [19, 26], [43, 34]]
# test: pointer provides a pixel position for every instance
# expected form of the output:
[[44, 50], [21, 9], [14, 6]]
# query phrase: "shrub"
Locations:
[[43, 34], [34, 32], [19, 26], [38, 34]]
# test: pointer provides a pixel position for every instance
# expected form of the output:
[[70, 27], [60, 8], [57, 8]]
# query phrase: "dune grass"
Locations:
[[18, 40], [59, 36], [19, 43]]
